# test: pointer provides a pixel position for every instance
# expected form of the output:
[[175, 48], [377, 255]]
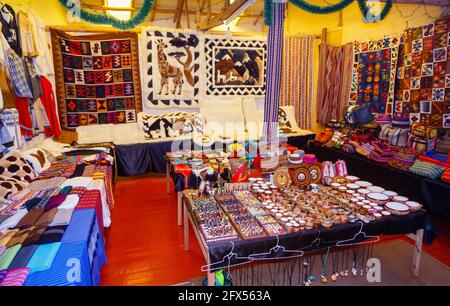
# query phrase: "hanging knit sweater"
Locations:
[[48, 100]]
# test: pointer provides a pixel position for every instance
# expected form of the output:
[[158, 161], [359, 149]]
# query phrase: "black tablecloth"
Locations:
[[311, 240], [143, 158], [433, 194]]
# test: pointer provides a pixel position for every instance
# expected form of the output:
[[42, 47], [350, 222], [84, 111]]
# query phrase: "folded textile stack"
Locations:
[[403, 160], [383, 152], [365, 149], [426, 169], [446, 175], [15, 277]]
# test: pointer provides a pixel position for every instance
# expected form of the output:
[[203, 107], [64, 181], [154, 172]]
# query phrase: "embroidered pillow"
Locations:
[[9, 187], [15, 166], [172, 125], [38, 159]]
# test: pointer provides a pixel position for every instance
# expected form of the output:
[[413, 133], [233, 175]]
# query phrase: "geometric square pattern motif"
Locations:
[[97, 78], [423, 79], [374, 73]]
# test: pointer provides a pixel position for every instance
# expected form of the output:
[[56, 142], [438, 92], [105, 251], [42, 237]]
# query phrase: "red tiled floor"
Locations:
[[145, 245]]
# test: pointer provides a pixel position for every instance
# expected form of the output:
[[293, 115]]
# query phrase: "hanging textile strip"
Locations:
[[274, 69], [297, 80], [334, 81]]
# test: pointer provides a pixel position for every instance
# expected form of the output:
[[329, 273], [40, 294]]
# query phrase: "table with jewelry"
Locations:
[[245, 223]]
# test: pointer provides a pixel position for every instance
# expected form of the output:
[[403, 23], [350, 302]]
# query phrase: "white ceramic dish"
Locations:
[[363, 191], [352, 178], [400, 199], [397, 208], [363, 184], [376, 189], [353, 186], [390, 193], [379, 198], [413, 206]]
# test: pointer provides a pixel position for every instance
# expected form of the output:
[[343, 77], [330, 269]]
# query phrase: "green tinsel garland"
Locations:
[[102, 19], [316, 9]]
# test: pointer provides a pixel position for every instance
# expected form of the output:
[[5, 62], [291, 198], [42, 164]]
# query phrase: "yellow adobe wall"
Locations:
[[302, 22], [50, 11]]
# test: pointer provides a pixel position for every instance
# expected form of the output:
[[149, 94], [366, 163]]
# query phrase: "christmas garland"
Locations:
[[333, 8], [102, 19]]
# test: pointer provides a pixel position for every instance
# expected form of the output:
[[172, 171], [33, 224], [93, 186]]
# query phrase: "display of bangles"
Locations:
[[260, 208]]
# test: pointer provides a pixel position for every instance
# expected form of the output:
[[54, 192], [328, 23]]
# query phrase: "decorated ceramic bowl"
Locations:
[[413, 206], [397, 208], [376, 189], [400, 199], [363, 184], [378, 198]]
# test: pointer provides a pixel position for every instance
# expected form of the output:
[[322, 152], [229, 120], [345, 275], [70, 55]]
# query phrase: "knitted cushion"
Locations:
[[15, 166], [427, 169]]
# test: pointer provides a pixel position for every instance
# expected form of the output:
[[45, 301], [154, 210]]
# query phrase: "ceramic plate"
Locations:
[[413, 205], [363, 191], [397, 206], [352, 178], [376, 196], [390, 193], [363, 184], [352, 186], [400, 199], [376, 189]]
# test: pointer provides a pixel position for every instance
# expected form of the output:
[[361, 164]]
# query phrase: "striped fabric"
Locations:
[[298, 78], [92, 199], [15, 277], [333, 88], [273, 75]]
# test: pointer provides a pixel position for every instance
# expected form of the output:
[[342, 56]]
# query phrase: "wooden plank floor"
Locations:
[[145, 246]]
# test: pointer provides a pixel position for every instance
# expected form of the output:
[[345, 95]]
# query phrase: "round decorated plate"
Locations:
[[282, 178], [363, 184], [376, 189], [352, 178], [400, 199], [316, 174], [390, 193], [352, 186], [341, 180], [397, 208], [301, 177], [378, 197], [363, 191], [413, 206]]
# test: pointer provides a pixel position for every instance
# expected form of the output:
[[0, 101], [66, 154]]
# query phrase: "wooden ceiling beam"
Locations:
[[220, 18]]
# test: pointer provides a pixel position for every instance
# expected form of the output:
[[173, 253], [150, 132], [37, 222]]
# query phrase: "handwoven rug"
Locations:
[[298, 78], [395, 258], [235, 67], [335, 71], [374, 73], [423, 81], [173, 69], [97, 78]]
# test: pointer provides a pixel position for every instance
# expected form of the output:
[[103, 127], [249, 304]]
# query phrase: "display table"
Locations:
[[433, 194], [141, 158], [219, 255]]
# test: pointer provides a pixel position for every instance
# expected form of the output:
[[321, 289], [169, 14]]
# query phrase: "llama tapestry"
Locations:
[[173, 69], [374, 71], [235, 67], [97, 78]]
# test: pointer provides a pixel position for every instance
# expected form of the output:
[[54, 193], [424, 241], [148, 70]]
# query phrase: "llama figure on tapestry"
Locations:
[[173, 72]]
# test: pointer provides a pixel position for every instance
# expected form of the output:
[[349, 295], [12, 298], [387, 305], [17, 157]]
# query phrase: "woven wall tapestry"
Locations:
[[97, 78], [173, 69], [298, 77], [335, 72], [235, 67], [374, 71], [423, 81]]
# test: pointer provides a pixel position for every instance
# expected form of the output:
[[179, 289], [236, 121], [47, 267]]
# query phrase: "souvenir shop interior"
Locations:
[[224, 142]]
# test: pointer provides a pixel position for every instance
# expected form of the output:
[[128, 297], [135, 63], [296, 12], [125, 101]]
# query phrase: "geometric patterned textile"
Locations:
[[97, 78], [374, 72], [423, 79]]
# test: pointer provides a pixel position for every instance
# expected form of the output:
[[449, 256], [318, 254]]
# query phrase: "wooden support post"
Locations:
[[188, 18], [186, 227], [180, 208], [324, 35], [418, 238]]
